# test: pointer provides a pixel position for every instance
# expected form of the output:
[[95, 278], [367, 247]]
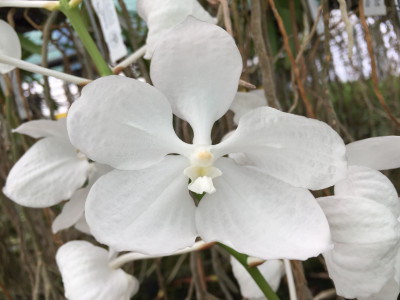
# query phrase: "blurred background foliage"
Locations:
[[303, 67]]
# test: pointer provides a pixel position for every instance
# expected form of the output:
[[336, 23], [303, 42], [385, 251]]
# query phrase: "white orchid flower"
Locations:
[[272, 271], [263, 210], [9, 45], [162, 15], [364, 220], [87, 274], [73, 211], [50, 171]]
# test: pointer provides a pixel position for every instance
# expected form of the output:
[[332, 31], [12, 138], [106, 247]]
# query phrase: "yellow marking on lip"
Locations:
[[204, 155]]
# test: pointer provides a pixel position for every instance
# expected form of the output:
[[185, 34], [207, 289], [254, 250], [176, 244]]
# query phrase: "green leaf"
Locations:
[[29, 46]]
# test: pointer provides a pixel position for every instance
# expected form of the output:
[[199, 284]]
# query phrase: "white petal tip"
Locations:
[[254, 261]]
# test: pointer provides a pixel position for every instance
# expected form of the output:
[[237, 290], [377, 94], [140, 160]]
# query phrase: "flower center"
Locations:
[[201, 171]]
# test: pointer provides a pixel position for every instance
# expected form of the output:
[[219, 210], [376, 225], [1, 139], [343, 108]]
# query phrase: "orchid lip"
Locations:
[[201, 170]]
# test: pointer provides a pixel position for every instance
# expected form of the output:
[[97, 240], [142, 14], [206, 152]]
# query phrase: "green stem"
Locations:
[[72, 13], [254, 273]]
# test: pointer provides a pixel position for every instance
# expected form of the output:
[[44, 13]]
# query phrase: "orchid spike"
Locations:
[[263, 210], [162, 15], [50, 171], [9, 45], [87, 274]]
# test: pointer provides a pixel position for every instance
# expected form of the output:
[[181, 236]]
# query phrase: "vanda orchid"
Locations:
[[364, 220], [263, 210], [50, 171]]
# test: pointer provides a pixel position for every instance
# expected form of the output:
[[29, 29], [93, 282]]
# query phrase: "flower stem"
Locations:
[[289, 275], [123, 259], [50, 5], [129, 60], [40, 70], [72, 13], [254, 273]]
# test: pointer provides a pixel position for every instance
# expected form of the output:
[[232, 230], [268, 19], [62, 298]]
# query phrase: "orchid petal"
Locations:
[[261, 216], [390, 291], [379, 153], [44, 128], [397, 266], [82, 225], [72, 211], [98, 171], [197, 66], [272, 271], [87, 275], [49, 172], [371, 184], [300, 151], [245, 102], [359, 272], [162, 15], [148, 211], [366, 236], [201, 14], [9, 45], [359, 220], [136, 130], [239, 158]]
